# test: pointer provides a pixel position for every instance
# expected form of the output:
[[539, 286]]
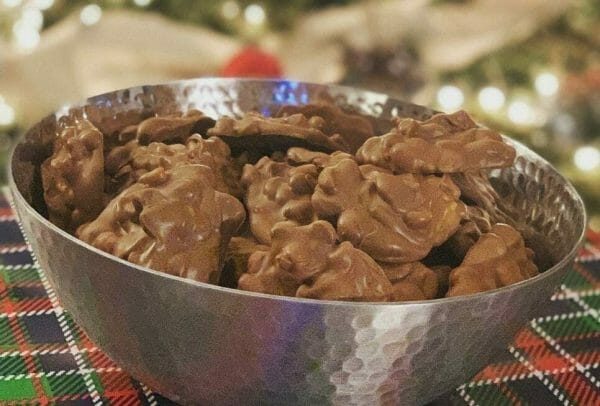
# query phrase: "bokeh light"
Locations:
[[587, 158], [450, 98], [7, 114], [491, 98], [90, 14], [25, 37], [520, 112], [230, 10], [32, 17], [43, 4], [254, 14], [546, 84], [11, 3]]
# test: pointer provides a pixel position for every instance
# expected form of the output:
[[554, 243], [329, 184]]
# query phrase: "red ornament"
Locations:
[[252, 62]]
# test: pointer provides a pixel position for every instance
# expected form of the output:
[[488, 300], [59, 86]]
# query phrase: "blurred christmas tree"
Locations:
[[543, 89]]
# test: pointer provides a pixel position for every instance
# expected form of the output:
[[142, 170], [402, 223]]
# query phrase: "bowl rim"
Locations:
[[16, 194]]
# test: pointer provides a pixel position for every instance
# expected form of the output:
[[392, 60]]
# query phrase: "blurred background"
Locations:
[[530, 68]]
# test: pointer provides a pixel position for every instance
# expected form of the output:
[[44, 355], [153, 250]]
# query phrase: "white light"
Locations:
[[43, 4], [546, 84], [491, 98], [90, 14], [7, 114], [142, 3], [230, 10], [450, 97], [11, 3], [32, 17], [254, 14], [520, 112], [26, 38], [587, 158]]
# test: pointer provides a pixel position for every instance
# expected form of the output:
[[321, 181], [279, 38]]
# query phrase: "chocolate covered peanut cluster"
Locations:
[[443, 144], [173, 221], [73, 176]]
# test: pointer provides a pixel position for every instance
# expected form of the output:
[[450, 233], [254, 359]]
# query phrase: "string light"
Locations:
[[254, 14], [26, 29], [520, 112], [142, 3], [11, 3], [25, 37], [90, 14], [546, 84], [450, 97], [230, 10], [7, 113], [587, 158], [43, 4], [491, 98], [32, 17]]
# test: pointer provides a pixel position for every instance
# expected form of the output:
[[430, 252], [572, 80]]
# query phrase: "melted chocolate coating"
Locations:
[[475, 223], [351, 130], [126, 164], [296, 253], [253, 131], [237, 255], [351, 275], [305, 261], [442, 144], [300, 156], [276, 191], [174, 128], [499, 258], [393, 218], [411, 281], [112, 126], [73, 176], [476, 189], [171, 221]]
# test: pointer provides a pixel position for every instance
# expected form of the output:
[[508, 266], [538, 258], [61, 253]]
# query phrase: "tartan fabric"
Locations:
[[46, 359]]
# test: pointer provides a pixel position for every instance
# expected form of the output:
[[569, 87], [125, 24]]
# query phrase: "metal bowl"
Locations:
[[199, 343]]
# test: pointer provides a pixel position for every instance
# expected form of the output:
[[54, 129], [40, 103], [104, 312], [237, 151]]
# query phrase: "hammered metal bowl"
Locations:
[[202, 344]]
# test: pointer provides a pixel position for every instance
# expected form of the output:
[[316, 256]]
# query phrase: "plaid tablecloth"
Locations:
[[46, 359]]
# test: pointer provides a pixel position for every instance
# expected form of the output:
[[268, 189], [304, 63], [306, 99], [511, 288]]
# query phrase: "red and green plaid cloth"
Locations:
[[46, 359]]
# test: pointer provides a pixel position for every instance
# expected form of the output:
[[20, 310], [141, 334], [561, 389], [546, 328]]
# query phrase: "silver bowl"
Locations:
[[199, 343]]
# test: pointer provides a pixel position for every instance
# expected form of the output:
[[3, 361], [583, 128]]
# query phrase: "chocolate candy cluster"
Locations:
[[309, 203]]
